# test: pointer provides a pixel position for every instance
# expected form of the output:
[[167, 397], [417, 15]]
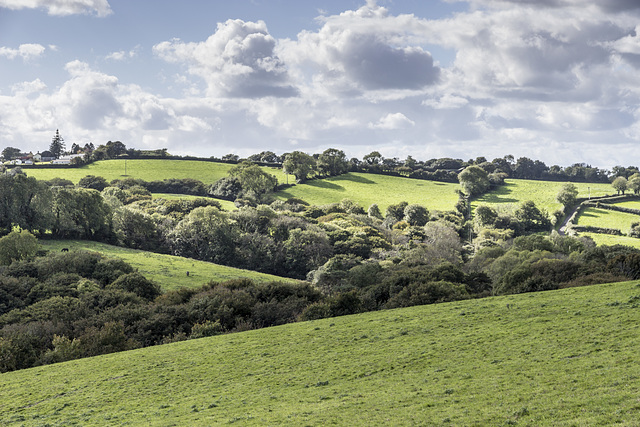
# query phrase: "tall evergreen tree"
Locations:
[[57, 145]]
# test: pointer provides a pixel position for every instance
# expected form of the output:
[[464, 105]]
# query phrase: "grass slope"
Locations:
[[542, 193], [608, 239], [366, 189], [560, 358], [598, 217], [145, 169], [166, 270]]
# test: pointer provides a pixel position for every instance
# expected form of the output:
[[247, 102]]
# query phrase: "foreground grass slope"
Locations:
[[145, 169], [166, 270], [558, 358], [366, 189]]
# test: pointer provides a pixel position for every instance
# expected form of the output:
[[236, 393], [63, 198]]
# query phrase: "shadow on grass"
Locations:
[[353, 178], [500, 195], [321, 183]]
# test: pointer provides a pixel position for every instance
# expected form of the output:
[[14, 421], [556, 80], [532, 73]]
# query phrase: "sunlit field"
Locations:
[[557, 358]]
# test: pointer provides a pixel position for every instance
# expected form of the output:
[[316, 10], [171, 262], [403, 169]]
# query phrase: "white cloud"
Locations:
[[238, 60], [26, 51], [363, 50], [99, 8], [392, 121], [122, 55]]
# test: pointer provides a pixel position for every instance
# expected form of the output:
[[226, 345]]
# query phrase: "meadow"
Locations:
[[146, 169], [542, 193], [597, 217], [168, 271], [557, 358], [366, 189], [608, 239]]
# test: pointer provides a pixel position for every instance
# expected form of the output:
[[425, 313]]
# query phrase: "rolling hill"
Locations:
[[558, 358], [168, 271]]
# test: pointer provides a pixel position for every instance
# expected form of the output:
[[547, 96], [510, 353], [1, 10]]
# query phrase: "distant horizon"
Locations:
[[554, 81]]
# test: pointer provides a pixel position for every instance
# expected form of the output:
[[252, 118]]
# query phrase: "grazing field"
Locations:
[[597, 217], [608, 239], [366, 189], [558, 358], [226, 204], [542, 193], [145, 169], [170, 272], [632, 204]]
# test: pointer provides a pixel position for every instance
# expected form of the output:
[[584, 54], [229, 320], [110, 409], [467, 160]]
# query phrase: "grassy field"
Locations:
[[559, 358], [147, 170], [598, 217], [166, 270], [226, 204], [542, 193], [633, 204], [366, 189], [607, 239]]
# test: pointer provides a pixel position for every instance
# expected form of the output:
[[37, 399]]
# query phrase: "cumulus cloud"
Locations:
[[26, 51], [238, 60], [364, 50], [392, 121], [99, 8]]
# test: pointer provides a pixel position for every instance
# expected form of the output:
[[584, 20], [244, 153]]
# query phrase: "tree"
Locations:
[[416, 215], [620, 184], [57, 145], [91, 181], [300, 164], [474, 180], [374, 211], [633, 183], [532, 218], [567, 195], [254, 180], [373, 159], [11, 153], [16, 246], [333, 162], [115, 149]]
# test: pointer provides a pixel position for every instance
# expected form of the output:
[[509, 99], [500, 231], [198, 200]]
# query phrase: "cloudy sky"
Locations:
[[555, 80]]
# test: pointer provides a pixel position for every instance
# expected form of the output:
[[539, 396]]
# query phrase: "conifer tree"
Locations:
[[57, 145]]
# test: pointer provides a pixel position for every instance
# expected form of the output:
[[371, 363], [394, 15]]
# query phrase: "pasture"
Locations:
[[542, 193], [608, 239], [168, 271], [558, 358], [145, 169], [597, 217], [366, 189]]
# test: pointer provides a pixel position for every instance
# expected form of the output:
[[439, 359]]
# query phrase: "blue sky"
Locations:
[[555, 80]]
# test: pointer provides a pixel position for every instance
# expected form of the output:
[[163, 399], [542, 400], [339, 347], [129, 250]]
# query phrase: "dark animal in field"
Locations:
[[65, 250], [187, 274]]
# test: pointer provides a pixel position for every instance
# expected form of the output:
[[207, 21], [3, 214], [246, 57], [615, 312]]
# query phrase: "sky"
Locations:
[[554, 80]]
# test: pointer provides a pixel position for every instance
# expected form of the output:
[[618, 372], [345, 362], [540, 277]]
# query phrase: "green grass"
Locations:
[[633, 204], [166, 270], [147, 170], [559, 358], [366, 189], [226, 204], [597, 217], [542, 193], [608, 239]]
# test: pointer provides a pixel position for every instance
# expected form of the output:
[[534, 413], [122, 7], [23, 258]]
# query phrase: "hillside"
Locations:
[[168, 271], [366, 189], [542, 193], [145, 169], [551, 358]]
